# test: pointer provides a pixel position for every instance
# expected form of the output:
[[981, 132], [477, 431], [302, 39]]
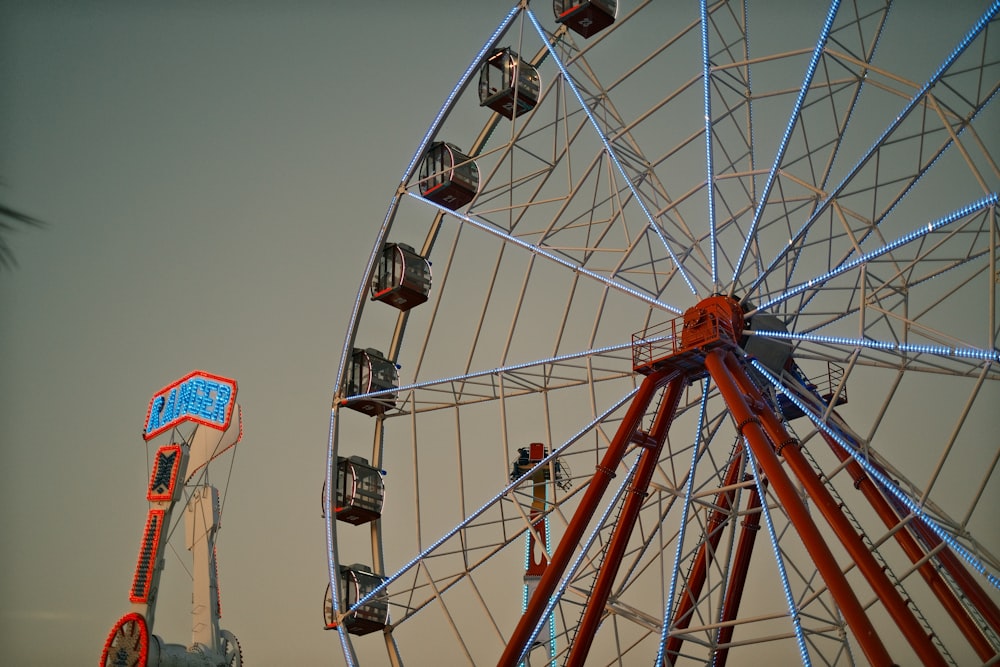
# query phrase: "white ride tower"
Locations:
[[179, 472]]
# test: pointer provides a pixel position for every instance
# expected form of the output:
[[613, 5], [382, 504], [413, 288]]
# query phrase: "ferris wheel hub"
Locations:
[[717, 315]]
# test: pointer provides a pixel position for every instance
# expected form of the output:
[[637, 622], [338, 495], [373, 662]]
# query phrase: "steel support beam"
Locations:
[[637, 492], [583, 515], [916, 554], [750, 427], [738, 576], [706, 553], [788, 448]]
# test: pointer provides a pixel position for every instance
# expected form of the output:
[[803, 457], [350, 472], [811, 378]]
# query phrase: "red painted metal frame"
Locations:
[[648, 459], [750, 427], [828, 506], [916, 554], [676, 354], [703, 560], [585, 512], [738, 574]]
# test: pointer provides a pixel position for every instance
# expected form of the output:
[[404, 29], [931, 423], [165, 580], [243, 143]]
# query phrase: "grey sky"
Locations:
[[212, 178]]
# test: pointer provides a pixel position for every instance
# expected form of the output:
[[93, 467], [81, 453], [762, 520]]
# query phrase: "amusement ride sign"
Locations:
[[208, 401], [197, 397]]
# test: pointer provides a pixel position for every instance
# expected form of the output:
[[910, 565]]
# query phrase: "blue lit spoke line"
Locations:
[[710, 180], [356, 309], [887, 346], [986, 202], [783, 146], [610, 151], [585, 548], [499, 370], [883, 480], [792, 609], [688, 495], [542, 463], [910, 106], [549, 255]]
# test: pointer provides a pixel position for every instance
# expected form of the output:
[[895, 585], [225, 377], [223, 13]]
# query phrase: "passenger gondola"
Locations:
[[402, 278], [585, 18], [360, 491], [354, 583], [370, 372], [447, 176], [507, 84]]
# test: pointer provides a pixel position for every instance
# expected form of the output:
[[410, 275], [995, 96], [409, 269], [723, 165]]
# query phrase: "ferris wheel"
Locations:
[[707, 366]]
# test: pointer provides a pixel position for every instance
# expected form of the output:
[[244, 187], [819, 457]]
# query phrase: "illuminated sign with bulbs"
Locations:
[[197, 397], [163, 480]]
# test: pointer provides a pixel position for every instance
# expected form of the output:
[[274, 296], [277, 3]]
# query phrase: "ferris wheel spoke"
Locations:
[[915, 235], [710, 166], [783, 145], [886, 484], [610, 151], [560, 371], [979, 97], [537, 250], [440, 547], [902, 353], [685, 514], [793, 610]]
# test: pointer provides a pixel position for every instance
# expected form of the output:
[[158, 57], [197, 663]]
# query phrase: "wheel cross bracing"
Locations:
[[855, 262]]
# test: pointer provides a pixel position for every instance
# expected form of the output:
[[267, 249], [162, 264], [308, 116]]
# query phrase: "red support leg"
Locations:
[[583, 515], [915, 553], [835, 517], [649, 457], [738, 575], [706, 553], [784, 488], [970, 587]]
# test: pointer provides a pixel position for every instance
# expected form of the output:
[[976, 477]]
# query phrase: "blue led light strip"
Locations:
[[881, 478], [543, 462], [610, 151], [585, 548], [356, 309], [986, 202], [496, 371], [900, 117], [524, 595], [710, 180], [792, 609], [548, 255], [886, 346], [688, 494], [792, 122]]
